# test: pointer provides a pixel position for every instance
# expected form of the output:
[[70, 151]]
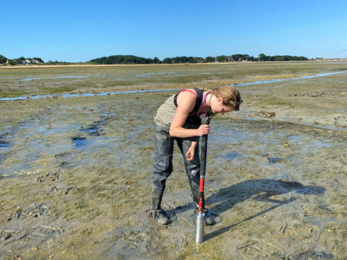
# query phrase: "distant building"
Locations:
[[35, 61]]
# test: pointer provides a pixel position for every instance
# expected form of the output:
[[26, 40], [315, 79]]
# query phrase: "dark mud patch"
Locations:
[[281, 208], [66, 165], [80, 142], [96, 128], [65, 154], [273, 160], [315, 255], [4, 144]]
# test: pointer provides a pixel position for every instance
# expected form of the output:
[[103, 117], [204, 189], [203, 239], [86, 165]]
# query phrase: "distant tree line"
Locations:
[[56, 62], [21, 60], [3, 59], [130, 59], [125, 59], [263, 57]]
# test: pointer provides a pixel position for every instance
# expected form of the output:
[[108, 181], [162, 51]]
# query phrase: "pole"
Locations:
[[200, 216]]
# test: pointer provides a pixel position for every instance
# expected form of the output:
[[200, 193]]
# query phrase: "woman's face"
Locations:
[[218, 107]]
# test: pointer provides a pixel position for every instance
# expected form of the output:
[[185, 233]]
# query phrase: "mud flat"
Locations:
[[76, 177]]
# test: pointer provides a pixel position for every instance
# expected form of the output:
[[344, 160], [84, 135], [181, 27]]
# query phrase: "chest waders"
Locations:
[[200, 216]]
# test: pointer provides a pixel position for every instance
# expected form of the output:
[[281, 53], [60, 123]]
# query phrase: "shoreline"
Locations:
[[152, 65]]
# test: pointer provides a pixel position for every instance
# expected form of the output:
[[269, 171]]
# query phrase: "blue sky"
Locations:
[[77, 30]]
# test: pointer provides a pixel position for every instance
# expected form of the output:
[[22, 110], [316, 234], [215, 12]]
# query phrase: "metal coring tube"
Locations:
[[200, 216]]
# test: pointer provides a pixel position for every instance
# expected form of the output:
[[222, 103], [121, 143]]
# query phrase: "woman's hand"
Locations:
[[203, 130], [191, 152]]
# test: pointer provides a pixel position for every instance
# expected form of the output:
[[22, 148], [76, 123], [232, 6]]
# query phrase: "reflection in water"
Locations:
[[58, 77], [4, 144], [273, 160], [80, 142], [88, 94], [279, 80], [160, 73], [156, 90], [70, 77], [30, 79], [232, 155]]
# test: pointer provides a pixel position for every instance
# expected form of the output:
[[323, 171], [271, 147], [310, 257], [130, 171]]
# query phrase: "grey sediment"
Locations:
[[75, 177]]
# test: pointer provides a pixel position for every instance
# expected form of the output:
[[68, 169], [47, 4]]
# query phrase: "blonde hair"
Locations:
[[231, 96]]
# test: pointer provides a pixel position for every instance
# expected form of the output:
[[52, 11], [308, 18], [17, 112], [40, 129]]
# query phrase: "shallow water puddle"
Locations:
[[58, 77], [273, 160], [30, 79], [95, 128], [157, 90], [304, 140], [88, 94], [4, 144], [280, 80], [232, 155], [161, 73], [80, 142]]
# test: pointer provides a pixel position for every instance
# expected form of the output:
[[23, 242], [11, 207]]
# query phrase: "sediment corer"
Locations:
[[200, 216]]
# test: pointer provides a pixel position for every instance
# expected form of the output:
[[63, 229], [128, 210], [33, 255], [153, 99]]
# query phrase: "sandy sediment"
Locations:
[[76, 177]]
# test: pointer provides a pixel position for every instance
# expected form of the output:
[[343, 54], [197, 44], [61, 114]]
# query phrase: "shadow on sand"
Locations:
[[260, 190]]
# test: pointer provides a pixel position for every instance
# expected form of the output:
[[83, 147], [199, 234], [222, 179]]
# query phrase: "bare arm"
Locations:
[[186, 102], [191, 152]]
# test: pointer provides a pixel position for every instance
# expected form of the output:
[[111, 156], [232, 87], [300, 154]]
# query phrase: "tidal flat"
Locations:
[[76, 172]]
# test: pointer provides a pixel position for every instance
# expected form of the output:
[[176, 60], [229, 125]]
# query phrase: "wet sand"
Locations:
[[76, 177]]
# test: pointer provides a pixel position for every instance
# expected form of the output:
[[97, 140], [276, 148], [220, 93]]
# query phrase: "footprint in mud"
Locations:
[[34, 211], [61, 190], [63, 162], [340, 121], [64, 165], [34, 236], [95, 128], [6, 234], [259, 250], [43, 234], [132, 243], [50, 177]]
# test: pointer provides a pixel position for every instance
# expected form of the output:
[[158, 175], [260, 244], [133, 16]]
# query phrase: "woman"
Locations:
[[179, 118]]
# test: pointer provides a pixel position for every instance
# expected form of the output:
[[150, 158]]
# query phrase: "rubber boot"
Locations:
[[157, 213], [209, 220], [157, 196]]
